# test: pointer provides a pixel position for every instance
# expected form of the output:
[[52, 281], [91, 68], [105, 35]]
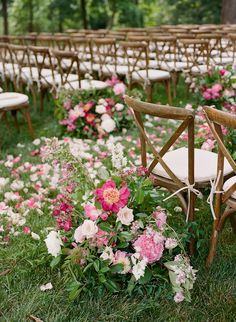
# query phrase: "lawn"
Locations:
[[23, 268]]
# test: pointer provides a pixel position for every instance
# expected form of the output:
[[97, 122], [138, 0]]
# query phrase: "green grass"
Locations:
[[213, 298]]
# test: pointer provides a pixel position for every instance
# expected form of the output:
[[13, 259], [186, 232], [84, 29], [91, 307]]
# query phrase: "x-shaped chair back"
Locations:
[[216, 119], [167, 112]]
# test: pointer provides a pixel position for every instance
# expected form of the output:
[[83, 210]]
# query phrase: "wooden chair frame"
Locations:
[[216, 119]]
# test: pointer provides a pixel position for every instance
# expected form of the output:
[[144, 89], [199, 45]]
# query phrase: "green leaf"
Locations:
[[112, 286], [96, 265], [117, 268], [104, 269], [126, 235], [123, 245], [147, 277], [105, 226], [102, 278], [55, 261], [139, 196], [87, 267]]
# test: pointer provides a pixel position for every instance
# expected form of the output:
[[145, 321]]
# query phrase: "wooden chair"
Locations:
[[180, 169], [70, 76], [225, 190], [14, 103], [136, 55], [84, 49]]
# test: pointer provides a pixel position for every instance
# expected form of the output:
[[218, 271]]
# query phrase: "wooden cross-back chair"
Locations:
[[62, 42], [179, 170], [196, 53], [84, 49], [105, 51], [225, 190], [8, 68], [43, 71], [136, 56]]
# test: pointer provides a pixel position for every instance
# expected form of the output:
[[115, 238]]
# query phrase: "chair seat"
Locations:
[[222, 60], [153, 75], [205, 165], [57, 79], [12, 99], [112, 69], [200, 69], [86, 85], [174, 66], [228, 183], [26, 74]]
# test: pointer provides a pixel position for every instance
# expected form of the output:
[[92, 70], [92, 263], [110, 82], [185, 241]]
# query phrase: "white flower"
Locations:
[[17, 185], [125, 216], [126, 264], [78, 236], [108, 125], [105, 117], [3, 182], [46, 287], [107, 254], [89, 228], [36, 142], [119, 107], [118, 159], [53, 243], [171, 243], [35, 236], [139, 269], [100, 109], [179, 297]]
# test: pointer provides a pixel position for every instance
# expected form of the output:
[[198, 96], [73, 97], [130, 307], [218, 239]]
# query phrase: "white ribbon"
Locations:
[[210, 199], [190, 188]]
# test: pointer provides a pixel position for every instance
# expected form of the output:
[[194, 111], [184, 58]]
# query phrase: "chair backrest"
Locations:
[[167, 112], [19, 58], [165, 49], [68, 63], [62, 42], [105, 49], [216, 119], [136, 57], [196, 52]]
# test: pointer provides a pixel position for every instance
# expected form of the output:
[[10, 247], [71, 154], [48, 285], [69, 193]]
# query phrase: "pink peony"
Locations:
[[207, 94], [150, 246], [91, 211], [160, 217], [119, 89], [111, 198]]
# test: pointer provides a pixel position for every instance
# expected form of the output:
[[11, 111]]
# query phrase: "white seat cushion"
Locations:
[[228, 183], [171, 66], [86, 85], [26, 75], [153, 74], [12, 99], [205, 165], [57, 79], [200, 69], [111, 69]]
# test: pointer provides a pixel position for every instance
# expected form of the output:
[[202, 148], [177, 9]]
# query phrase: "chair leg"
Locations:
[[14, 114], [33, 92], [28, 121], [168, 88], [42, 95], [148, 91], [213, 245], [192, 245], [233, 222]]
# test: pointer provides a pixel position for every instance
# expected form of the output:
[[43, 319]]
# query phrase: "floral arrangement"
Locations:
[[218, 88], [112, 234], [84, 115]]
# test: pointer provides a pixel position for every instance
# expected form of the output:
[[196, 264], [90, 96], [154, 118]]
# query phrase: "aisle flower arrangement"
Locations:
[[218, 88], [111, 234], [95, 114]]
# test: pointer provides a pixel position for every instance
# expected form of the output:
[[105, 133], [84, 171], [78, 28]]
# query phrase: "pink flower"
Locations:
[[150, 246], [111, 198], [215, 91], [113, 81], [67, 104], [222, 72], [26, 230], [179, 297], [160, 217], [208, 145], [207, 94], [119, 89], [91, 211]]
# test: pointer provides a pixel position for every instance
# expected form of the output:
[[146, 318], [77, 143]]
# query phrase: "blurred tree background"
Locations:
[[22, 16]]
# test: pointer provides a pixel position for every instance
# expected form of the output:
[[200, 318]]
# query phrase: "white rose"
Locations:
[[36, 142], [17, 185], [100, 109], [89, 228], [125, 216], [78, 236], [105, 117], [53, 243], [3, 182], [119, 107], [108, 125]]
